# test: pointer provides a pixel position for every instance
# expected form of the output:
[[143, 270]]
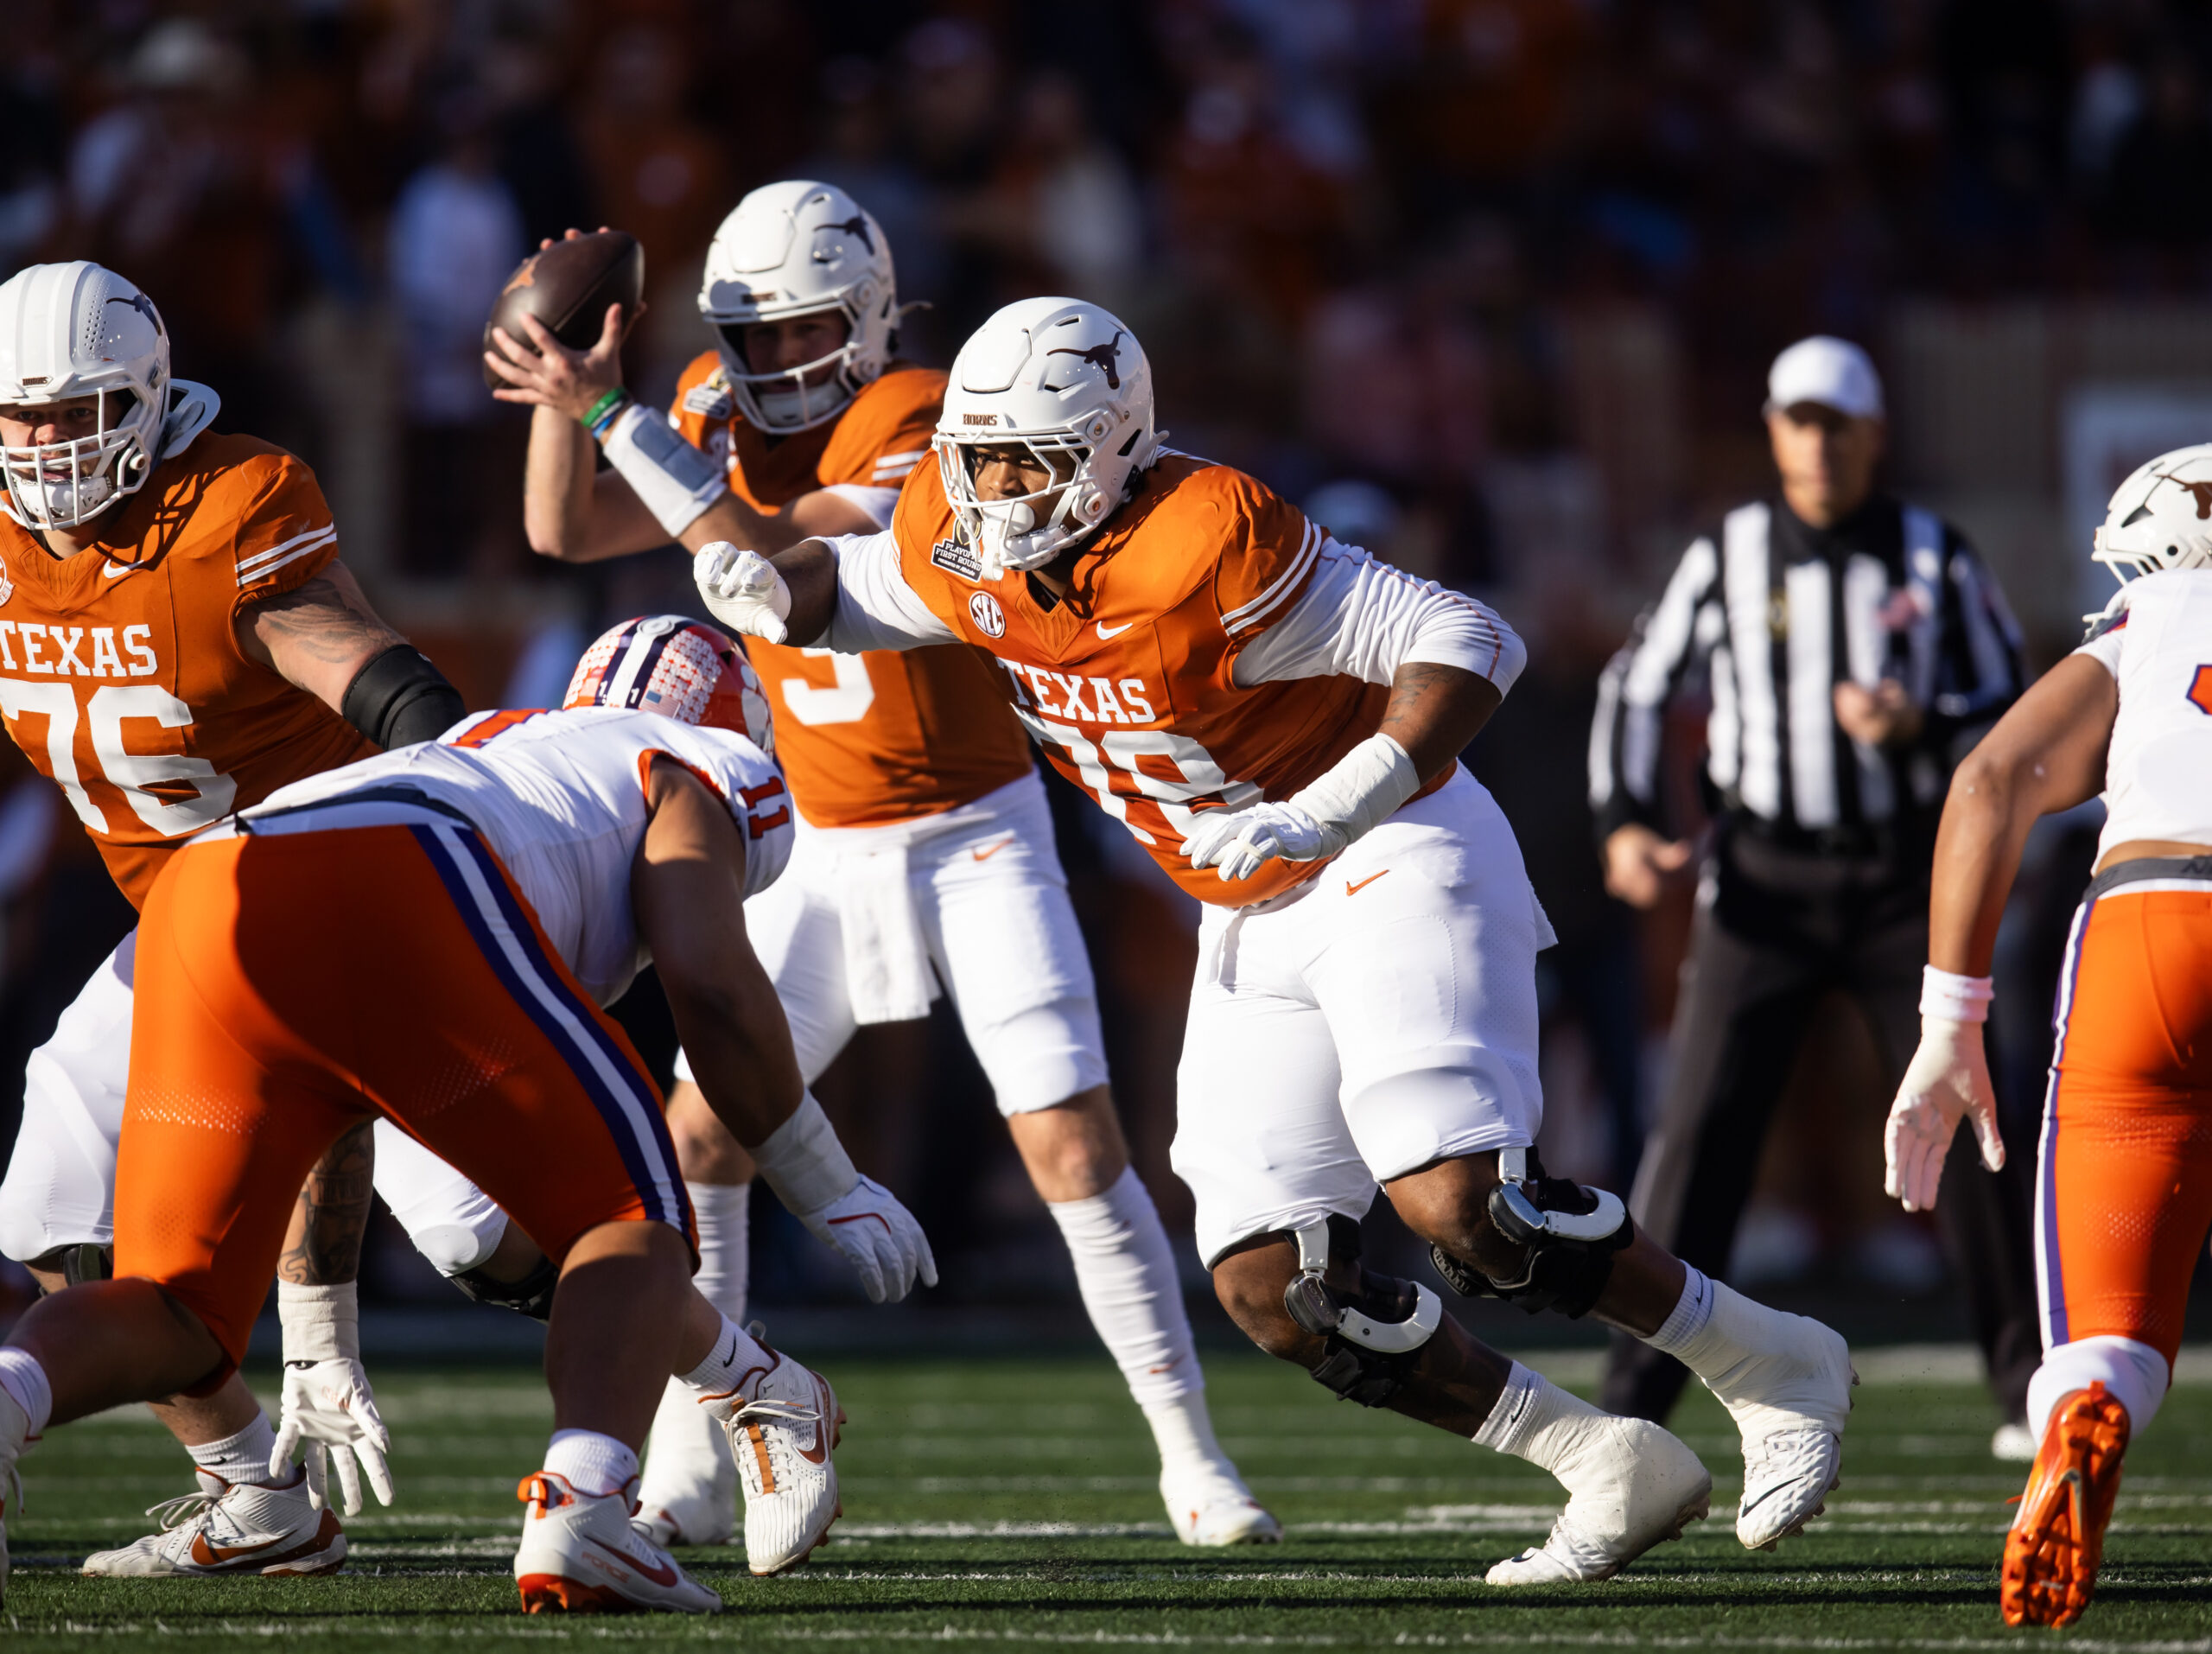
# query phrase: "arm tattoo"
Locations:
[[322, 619], [1434, 710], [325, 1246]]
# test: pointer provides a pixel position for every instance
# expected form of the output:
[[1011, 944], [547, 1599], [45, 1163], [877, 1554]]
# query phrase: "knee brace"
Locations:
[[1374, 1339], [532, 1295], [1572, 1234]]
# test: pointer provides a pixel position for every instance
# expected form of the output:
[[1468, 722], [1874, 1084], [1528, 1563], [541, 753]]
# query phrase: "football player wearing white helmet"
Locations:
[[926, 853], [1276, 718], [178, 639], [2124, 1173]]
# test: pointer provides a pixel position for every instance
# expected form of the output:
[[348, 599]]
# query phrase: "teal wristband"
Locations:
[[602, 412]]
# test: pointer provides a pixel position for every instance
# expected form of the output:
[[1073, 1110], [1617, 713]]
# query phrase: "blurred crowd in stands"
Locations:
[[1490, 284]]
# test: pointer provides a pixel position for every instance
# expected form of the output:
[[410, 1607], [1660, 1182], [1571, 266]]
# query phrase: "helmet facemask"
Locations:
[[1028, 531], [67, 483]]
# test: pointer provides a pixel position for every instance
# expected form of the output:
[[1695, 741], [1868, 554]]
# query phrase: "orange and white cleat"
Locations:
[[580, 1555], [782, 1439], [2058, 1538], [232, 1528]]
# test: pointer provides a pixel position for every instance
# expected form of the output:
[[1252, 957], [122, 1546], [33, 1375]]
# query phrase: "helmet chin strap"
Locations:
[[1005, 529]]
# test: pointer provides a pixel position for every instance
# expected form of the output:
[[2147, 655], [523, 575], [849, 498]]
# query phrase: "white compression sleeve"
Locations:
[[876, 607], [1361, 617], [1362, 789], [674, 481]]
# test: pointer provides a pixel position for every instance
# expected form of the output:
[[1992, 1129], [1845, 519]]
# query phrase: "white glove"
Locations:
[[1242, 841], [878, 1236], [329, 1406], [743, 590], [1948, 1077], [328, 1402]]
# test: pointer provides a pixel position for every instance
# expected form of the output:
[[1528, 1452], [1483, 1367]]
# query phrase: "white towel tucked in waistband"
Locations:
[[887, 972]]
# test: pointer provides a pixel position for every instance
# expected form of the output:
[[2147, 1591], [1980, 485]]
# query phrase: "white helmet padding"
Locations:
[[2160, 518], [75, 330], [796, 248], [1065, 379]]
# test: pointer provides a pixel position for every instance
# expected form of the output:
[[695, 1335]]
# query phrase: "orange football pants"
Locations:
[[291, 985], [2125, 1174]]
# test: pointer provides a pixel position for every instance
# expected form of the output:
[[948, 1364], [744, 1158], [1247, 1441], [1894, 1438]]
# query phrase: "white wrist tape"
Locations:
[[675, 480], [804, 1162], [1362, 790], [320, 1323], [1954, 998]]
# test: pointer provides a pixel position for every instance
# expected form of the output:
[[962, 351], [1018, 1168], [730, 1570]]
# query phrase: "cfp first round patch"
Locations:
[[989, 618]]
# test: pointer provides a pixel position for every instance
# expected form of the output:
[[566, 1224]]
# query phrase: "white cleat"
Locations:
[[232, 1528], [1215, 1509], [688, 1494], [579, 1554], [1789, 1394], [1633, 1485], [782, 1439]]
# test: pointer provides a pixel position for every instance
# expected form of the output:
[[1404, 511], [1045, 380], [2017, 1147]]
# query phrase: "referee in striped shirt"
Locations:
[[1852, 647]]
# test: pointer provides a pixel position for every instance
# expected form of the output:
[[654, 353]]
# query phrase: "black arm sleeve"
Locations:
[[400, 698]]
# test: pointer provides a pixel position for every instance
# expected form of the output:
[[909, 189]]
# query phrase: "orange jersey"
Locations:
[[1127, 686], [884, 736], [121, 677]]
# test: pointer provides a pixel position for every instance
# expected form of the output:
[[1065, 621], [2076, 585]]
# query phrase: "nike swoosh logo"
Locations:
[[986, 854], [209, 1556], [117, 571], [659, 1573], [1111, 632], [820, 1451], [1351, 889]]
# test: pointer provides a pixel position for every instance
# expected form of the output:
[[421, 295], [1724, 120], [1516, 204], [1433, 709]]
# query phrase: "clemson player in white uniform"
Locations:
[[925, 854], [2124, 1173], [1277, 718], [178, 639], [491, 892]]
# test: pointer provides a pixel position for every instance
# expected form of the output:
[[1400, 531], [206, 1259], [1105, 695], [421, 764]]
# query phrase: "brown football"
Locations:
[[568, 287]]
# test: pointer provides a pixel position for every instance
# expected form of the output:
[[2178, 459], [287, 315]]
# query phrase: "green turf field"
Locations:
[[1010, 1503]]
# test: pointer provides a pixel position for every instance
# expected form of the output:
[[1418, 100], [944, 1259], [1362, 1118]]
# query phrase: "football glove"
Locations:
[[1948, 1077], [1242, 841], [328, 1406], [878, 1236], [743, 590]]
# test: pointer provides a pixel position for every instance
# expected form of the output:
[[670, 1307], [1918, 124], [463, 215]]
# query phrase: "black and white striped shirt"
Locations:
[[1769, 615]]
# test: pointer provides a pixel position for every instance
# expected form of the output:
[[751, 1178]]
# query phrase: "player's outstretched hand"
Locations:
[[1948, 1077], [879, 1238], [742, 590], [329, 1406], [1242, 841]]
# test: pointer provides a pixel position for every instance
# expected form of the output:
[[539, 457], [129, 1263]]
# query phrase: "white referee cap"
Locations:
[[1833, 372]]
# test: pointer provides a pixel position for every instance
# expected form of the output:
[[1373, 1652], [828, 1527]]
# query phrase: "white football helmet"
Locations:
[[74, 330], [1066, 380], [795, 249], [2160, 518]]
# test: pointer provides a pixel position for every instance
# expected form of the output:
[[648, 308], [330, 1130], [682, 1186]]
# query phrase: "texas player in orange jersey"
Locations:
[[925, 854], [2124, 1173], [1277, 719], [177, 640]]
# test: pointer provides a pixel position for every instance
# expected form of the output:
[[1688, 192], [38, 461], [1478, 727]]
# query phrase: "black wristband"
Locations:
[[400, 698]]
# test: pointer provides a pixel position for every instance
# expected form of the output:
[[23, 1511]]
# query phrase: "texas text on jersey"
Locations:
[[1130, 685], [879, 737], [120, 673]]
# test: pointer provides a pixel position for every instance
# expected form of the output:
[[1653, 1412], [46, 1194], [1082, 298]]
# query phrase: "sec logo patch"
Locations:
[[989, 618]]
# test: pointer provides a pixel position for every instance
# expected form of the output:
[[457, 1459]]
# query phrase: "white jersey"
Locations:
[[560, 798], [2156, 640]]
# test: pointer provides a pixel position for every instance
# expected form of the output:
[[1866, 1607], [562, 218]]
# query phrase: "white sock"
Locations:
[[243, 1458], [723, 1212], [26, 1383], [1128, 1278], [591, 1462], [735, 1363], [1691, 1314], [2133, 1373], [1537, 1420], [1184, 1435]]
